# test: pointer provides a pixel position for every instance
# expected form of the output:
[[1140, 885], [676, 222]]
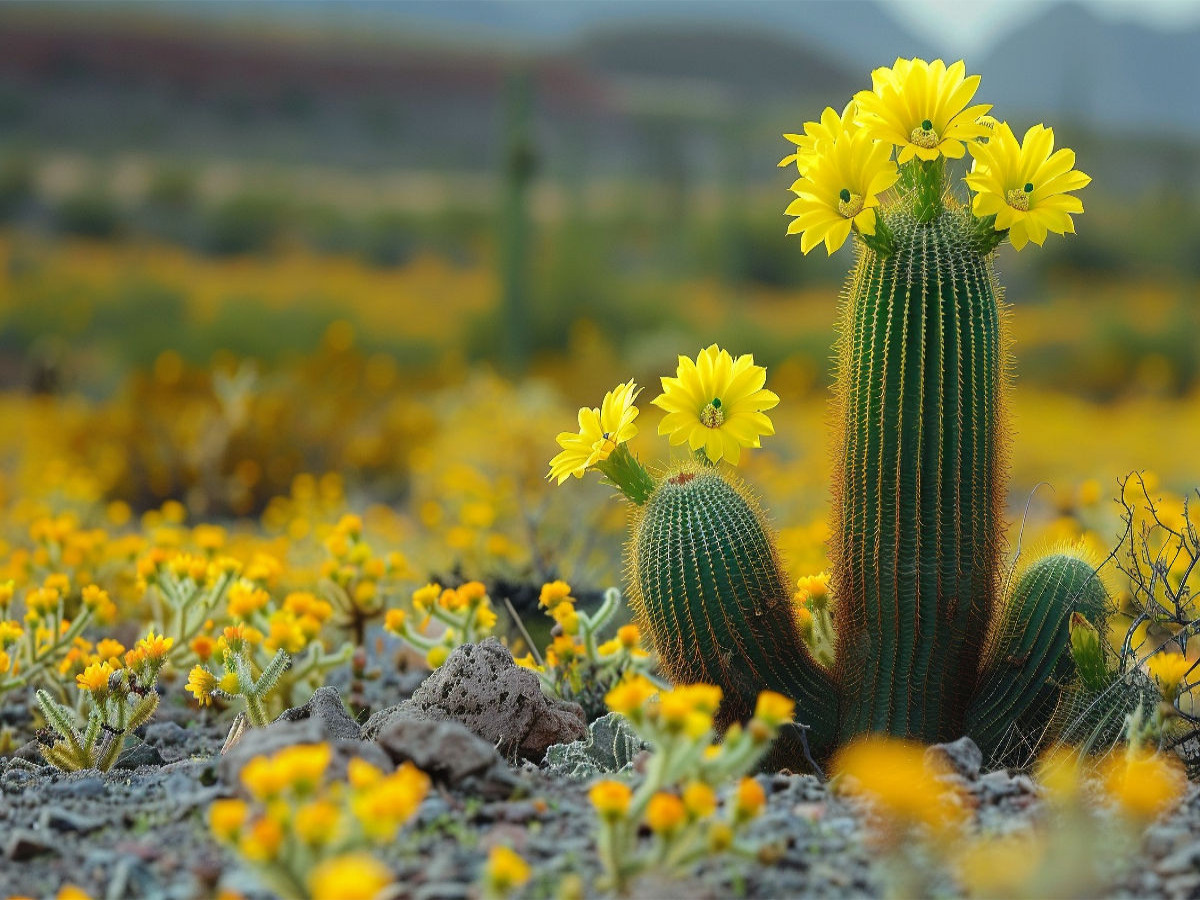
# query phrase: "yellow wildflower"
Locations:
[[505, 871], [361, 774], [1025, 186], [10, 633], [437, 655], [5, 663], [316, 822], [750, 800], [840, 191], [1144, 785], [201, 684], [110, 650], [610, 798], [699, 799], [424, 598], [818, 135], [262, 840], [1058, 772], [601, 431], [774, 709], [891, 773], [394, 620], [226, 818], [203, 645], [921, 107], [95, 678], [386, 803], [665, 813], [229, 683], [999, 866], [485, 618], [564, 614], [716, 403], [352, 876], [813, 590], [245, 599], [57, 582], [629, 636], [554, 593], [720, 837]]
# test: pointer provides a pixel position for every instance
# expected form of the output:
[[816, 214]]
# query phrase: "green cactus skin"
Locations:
[[707, 586], [917, 502], [1027, 664]]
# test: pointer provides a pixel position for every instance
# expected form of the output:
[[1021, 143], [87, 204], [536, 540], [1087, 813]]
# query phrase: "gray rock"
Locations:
[[962, 757], [139, 755], [480, 686], [58, 819], [77, 787], [23, 845], [326, 707], [166, 734], [274, 737], [610, 746], [447, 751]]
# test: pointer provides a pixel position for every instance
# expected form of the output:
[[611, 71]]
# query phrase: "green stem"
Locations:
[[255, 711]]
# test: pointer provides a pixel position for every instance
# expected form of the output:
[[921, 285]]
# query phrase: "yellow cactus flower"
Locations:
[[717, 403], [1026, 185], [921, 107], [601, 431], [610, 798], [352, 876], [818, 135], [699, 800], [95, 678], [553, 593], [750, 799], [226, 819], [1170, 670], [505, 871], [201, 684], [840, 191], [1144, 785], [665, 813]]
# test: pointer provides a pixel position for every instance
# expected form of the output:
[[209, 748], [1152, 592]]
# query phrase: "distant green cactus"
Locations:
[[928, 643]]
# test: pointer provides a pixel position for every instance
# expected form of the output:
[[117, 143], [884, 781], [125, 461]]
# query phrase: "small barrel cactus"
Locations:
[[930, 641]]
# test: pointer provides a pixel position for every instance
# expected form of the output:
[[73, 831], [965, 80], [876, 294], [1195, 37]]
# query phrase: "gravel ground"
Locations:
[[140, 831]]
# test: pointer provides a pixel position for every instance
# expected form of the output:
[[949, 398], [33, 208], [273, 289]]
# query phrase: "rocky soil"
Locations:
[[509, 767]]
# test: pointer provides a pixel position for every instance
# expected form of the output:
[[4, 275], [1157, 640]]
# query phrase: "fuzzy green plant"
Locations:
[[240, 679], [116, 699], [933, 636]]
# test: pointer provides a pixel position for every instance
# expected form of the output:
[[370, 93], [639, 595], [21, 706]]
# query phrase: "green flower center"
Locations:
[[925, 136], [849, 205], [712, 416], [1018, 198]]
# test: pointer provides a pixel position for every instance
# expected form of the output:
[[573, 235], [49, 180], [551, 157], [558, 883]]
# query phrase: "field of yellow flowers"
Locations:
[[325, 614]]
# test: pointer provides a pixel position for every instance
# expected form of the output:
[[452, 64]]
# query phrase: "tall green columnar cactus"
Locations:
[[931, 639], [918, 496]]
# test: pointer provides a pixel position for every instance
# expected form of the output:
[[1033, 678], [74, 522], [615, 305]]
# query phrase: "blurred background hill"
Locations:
[[572, 191]]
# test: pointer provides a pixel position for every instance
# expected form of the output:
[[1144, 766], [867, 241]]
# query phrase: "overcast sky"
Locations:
[[969, 26]]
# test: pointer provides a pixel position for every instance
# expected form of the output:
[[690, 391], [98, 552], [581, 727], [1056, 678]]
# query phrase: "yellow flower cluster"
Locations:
[[465, 613], [303, 828], [920, 112], [677, 801]]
